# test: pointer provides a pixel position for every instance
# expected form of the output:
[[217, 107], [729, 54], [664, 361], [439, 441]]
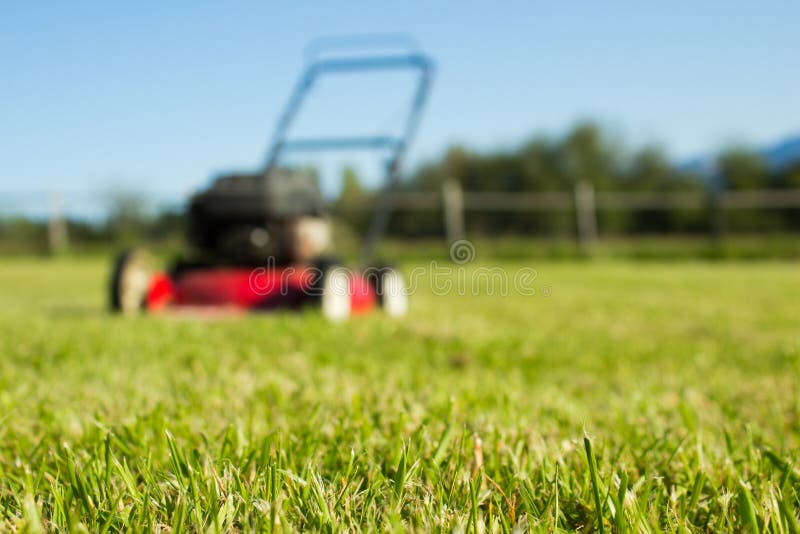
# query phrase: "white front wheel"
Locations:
[[394, 296], [336, 295]]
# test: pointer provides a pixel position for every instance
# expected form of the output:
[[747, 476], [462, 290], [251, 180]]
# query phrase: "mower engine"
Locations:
[[246, 219]]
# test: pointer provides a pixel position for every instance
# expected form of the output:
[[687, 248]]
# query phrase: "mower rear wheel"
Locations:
[[130, 281], [392, 293]]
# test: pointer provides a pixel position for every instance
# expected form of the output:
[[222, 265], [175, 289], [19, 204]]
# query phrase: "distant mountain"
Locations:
[[783, 154], [778, 156]]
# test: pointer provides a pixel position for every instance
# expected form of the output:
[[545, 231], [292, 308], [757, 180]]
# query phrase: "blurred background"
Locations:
[[641, 130]]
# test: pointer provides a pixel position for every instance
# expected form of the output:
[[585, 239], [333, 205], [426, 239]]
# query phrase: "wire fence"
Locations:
[[90, 206], [454, 204]]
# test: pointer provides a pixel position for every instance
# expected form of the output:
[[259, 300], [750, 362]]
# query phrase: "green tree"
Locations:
[[741, 168]]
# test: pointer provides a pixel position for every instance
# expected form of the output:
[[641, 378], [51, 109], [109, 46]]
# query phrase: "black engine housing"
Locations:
[[244, 218]]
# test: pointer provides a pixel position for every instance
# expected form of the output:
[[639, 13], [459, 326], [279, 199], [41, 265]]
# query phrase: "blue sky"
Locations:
[[161, 96]]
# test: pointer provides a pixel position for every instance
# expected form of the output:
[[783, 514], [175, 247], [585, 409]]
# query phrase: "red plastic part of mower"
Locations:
[[250, 289]]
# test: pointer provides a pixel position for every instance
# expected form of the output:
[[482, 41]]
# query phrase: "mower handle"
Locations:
[[410, 59], [335, 65]]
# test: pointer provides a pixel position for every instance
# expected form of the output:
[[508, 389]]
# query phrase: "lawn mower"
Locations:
[[261, 241]]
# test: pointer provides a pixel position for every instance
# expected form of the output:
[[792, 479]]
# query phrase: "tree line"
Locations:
[[586, 152]]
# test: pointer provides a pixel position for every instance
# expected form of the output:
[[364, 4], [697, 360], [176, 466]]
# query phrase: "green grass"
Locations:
[[634, 397]]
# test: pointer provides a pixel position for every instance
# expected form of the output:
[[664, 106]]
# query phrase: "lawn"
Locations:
[[619, 396]]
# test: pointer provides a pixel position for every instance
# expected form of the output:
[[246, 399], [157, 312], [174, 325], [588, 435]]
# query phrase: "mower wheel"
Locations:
[[130, 281], [336, 294], [391, 289]]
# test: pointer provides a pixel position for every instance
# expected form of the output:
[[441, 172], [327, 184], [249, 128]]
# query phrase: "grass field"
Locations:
[[652, 396]]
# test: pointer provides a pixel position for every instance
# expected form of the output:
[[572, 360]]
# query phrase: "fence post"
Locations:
[[453, 204], [57, 236], [585, 213]]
